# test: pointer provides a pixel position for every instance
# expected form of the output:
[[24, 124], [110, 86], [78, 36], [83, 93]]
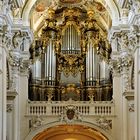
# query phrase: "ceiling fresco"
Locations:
[[40, 8]]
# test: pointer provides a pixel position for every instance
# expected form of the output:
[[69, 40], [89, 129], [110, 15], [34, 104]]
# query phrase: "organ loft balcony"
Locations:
[[70, 79]]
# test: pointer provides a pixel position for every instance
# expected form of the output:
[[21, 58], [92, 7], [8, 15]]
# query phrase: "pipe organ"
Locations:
[[92, 66], [49, 59], [69, 59], [70, 40]]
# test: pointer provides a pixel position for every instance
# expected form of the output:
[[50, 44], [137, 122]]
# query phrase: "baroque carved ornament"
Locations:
[[104, 123], [9, 108], [124, 44], [134, 5], [70, 114], [131, 107]]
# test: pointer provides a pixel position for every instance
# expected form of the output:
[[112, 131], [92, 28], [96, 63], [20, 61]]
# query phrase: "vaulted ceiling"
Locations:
[[105, 12], [39, 11]]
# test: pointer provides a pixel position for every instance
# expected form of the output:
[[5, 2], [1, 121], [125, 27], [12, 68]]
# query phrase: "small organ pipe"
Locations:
[[53, 63], [52, 55], [70, 33], [69, 38], [47, 63], [74, 39], [92, 61], [93, 64], [50, 61], [88, 62]]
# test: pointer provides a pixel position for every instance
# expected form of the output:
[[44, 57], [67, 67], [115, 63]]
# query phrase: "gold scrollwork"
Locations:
[[71, 64]]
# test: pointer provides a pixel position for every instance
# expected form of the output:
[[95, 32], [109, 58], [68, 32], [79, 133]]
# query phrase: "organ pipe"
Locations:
[[36, 69], [50, 48], [50, 61], [45, 69], [94, 68], [70, 39], [90, 61]]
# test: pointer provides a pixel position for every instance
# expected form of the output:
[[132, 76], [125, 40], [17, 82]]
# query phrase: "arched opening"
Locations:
[[70, 132], [42, 6]]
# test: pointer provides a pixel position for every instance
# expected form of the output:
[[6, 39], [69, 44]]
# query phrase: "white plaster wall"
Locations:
[[131, 124], [24, 122], [2, 92], [117, 96]]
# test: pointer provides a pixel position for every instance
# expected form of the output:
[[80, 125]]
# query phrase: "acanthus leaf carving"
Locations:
[[24, 66], [18, 39], [5, 36], [37, 122], [133, 37], [104, 123], [126, 82], [115, 66], [134, 5], [14, 60], [124, 55], [123, 41], [122, 58]]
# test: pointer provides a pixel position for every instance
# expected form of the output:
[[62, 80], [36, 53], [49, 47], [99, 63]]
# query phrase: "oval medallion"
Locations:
[[70, 114]]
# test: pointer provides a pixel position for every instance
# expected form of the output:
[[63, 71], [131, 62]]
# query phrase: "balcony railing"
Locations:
[[54, 108]]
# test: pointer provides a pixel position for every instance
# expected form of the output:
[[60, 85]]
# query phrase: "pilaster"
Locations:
[[10, 118], [137, 83], [18, 60], [117, 124], [121, 64], [22, 39], [3, 100], [24, 121]]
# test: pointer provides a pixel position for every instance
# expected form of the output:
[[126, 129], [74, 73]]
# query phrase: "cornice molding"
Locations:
[[11, 95], [129, 95]]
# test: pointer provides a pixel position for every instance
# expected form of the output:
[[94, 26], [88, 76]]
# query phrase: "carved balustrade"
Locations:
[[55, 108]]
